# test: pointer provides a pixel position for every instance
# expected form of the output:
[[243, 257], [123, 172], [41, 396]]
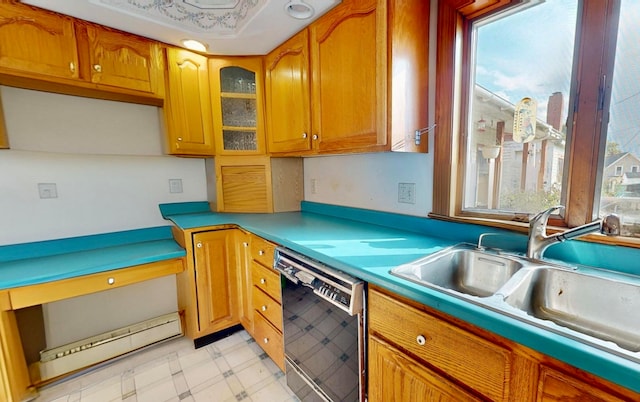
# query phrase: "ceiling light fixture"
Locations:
[[299, 9], [194, 45]]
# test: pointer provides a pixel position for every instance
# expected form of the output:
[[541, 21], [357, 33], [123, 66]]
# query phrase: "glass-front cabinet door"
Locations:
[[238, 105]]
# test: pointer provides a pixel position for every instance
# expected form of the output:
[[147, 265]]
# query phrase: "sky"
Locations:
[[530, 55]]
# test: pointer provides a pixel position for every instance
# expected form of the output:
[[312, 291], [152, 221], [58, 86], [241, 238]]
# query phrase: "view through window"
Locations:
[[519, 100], [620, 176]]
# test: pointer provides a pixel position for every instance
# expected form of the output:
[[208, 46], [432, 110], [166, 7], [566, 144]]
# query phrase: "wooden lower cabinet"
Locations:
[[400, 378], [208, 290], [266, 299], [419, 354]]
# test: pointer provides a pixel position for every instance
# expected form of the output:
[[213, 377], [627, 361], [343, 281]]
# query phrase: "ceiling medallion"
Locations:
[[221, 16]]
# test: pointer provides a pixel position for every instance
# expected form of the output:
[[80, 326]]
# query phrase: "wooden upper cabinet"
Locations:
[[349, 70], [409, 74], [122, 60], [288, 96], [187, 105], [237, 85], [37, 42]]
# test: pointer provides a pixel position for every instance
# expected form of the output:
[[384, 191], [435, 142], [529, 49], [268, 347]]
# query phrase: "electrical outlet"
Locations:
[[314, 186], [407, 193], [175, 186], [47, 190]]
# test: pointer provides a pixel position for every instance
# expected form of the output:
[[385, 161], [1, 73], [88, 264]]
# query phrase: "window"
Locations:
[[535, 113]]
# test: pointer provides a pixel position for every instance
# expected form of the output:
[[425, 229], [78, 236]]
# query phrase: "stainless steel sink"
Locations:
[[597, 307], [463, 269], [603, 307]]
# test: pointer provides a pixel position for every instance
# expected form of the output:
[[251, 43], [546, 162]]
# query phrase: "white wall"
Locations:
[[106, 160], [370, 181], [104, 157]]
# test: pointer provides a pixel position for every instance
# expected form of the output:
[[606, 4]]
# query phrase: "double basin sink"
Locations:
[[597, 307]]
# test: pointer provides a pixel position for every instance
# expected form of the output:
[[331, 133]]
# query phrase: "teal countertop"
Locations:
[[367, 244], [45, 261]]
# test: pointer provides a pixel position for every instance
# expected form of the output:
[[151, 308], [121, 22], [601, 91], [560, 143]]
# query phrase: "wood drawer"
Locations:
[[262, 251], [266, 279], [63, 289], [269, 339], [269, 308], [475, 362]]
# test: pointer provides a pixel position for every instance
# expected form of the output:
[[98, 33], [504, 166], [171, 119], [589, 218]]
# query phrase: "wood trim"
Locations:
[[446, 109], [63, 289], [4, 134], [15, 383]]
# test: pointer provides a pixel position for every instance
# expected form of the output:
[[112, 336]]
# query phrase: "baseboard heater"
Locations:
[[87, 352]]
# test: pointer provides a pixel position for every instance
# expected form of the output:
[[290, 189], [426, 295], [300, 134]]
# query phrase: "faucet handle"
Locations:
[[541, 217], [610, 225]]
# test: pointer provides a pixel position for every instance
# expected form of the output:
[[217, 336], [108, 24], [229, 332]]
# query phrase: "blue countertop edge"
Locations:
[[608, 366], [50, 260]]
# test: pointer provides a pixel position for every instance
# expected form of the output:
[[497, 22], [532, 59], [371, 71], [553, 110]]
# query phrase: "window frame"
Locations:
[[588, 114]]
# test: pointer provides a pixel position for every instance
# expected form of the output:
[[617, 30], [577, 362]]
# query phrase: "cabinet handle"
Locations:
[[261, 252], [265, 340], [199, 244], [263, 281], [421, 340], [315, 137], [111, 281], [245, 244], [263, 308], [304, 135], [72, 67], [179, 138], [97, 68]]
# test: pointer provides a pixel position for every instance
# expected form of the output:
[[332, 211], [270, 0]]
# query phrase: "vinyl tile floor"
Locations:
[[232, 369]]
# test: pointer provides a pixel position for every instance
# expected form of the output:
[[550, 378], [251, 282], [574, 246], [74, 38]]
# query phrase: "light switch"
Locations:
[[48, 190], [407, 193]]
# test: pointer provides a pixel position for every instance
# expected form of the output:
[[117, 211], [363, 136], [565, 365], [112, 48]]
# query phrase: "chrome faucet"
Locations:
[[539, 241]]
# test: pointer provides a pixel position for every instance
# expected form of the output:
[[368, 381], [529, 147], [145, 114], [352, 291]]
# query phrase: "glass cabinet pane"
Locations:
[[239, 140], [238, 112], [237, 80]]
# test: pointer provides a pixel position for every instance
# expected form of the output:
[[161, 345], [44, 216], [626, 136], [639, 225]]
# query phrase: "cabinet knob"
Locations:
[[245, 244], [179, 138], [261, 252], [263, 308], [421, 340], [97, 68], [72, 67], [265, 340], [315, 137], [304, 135], [199, 244], [111, 281], [263, 281]]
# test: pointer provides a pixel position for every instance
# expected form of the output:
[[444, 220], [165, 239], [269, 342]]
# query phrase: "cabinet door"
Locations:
[[555, 386], [122, 60], [288, 96], [349, 64], [237, 86], [245, 287], [216, 280], [37, 42], [188, 104], [396, 377]]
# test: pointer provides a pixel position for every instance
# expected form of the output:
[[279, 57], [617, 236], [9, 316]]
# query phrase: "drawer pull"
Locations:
[[199, 244], [265, 340], [97, 68], [263, 281], [264, 308], [421, 340], [261, 252], [111, 281]]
